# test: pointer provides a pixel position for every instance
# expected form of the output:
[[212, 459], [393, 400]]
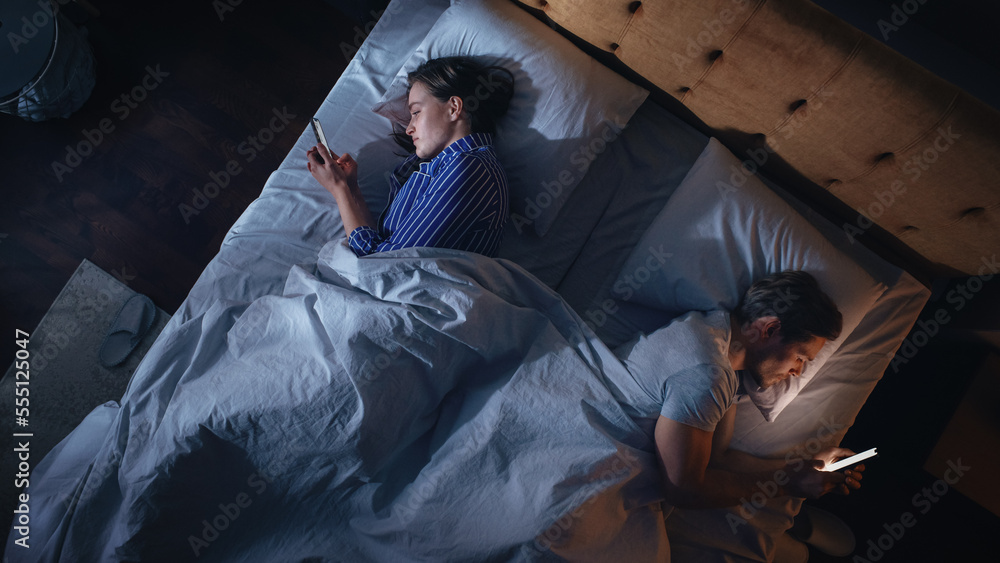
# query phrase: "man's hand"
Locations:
[[809, 482], [854, 474], [832, 454]]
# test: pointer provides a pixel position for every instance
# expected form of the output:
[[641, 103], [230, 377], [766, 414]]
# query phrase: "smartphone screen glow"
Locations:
[[849, 461]]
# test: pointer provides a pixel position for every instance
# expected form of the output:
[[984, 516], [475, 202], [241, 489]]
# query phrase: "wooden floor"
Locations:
[[219, 80]]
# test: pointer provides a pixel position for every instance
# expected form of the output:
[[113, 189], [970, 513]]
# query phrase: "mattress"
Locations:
[[581, 256]]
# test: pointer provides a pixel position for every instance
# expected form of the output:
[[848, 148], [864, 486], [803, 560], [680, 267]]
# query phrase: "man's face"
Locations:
[[771, 360]]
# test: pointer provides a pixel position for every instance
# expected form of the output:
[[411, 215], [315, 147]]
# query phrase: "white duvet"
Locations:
[[415, 405]]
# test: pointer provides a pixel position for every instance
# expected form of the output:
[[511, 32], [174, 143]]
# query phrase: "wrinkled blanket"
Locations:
[[416, 405]]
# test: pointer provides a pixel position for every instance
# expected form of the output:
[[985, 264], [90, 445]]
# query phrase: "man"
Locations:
[[699, 360]]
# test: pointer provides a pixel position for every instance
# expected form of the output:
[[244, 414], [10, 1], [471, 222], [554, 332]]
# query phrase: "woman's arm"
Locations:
[[339, 175]]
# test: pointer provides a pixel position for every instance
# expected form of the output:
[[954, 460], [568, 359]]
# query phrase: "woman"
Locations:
[[451, 192]]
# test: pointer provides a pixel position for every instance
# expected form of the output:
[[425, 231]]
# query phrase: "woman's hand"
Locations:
[[335, 173], [339, 175]]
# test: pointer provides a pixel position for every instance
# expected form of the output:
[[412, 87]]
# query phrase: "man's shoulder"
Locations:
[[694, 341], [705, 335], [714, 320]]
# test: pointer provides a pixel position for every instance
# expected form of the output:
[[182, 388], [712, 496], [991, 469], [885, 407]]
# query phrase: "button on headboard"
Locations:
[[914, 153]]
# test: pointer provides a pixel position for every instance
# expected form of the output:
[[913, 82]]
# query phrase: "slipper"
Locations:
[[131, 324], [787, 549], [826, 532]]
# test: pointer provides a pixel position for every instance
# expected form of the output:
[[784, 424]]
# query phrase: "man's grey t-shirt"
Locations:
[[681, 371]]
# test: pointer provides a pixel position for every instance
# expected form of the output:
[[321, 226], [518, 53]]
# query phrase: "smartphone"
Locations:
[[318, 130], [851, 461]]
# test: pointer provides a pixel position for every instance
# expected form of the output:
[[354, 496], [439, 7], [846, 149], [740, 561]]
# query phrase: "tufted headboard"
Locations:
[[824, 104]]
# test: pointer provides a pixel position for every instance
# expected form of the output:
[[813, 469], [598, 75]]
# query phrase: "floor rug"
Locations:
[[65, 380]]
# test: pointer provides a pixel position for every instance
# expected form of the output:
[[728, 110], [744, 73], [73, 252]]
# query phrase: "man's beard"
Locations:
[[756, 363]]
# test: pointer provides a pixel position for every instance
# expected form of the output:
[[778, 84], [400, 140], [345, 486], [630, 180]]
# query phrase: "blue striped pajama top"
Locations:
[[457, 200]]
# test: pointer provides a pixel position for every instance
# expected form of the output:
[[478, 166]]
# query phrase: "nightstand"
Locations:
[[51, 65]]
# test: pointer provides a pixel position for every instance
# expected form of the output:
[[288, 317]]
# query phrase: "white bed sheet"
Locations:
[[626, 186]]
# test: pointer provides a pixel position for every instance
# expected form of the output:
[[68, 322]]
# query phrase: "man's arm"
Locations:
[[692, 480], [724, 457], [688, 481]]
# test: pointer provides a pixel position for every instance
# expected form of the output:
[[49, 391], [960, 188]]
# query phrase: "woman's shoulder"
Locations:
[[462, 171], [482, 156]]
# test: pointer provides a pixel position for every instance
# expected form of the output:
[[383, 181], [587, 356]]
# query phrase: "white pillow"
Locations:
[[723, 229], [566, 105]]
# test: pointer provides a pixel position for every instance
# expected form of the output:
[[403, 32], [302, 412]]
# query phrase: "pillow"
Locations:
[[723, 229], [566, 106]]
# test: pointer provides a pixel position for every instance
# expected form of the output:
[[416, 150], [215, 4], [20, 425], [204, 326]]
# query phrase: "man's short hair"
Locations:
[[795, 298]]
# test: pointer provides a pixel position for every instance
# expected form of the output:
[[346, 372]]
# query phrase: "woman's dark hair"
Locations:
[[797, 300], [485, 91]]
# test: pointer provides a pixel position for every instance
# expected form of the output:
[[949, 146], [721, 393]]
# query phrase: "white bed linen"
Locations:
[[581, 256], [424, 404], [624, 189]]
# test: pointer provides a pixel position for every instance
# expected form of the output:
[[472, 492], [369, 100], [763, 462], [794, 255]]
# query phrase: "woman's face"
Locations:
[[433, 123]]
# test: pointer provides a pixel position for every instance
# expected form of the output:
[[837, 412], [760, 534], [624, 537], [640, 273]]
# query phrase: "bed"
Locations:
[[425, 404]]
